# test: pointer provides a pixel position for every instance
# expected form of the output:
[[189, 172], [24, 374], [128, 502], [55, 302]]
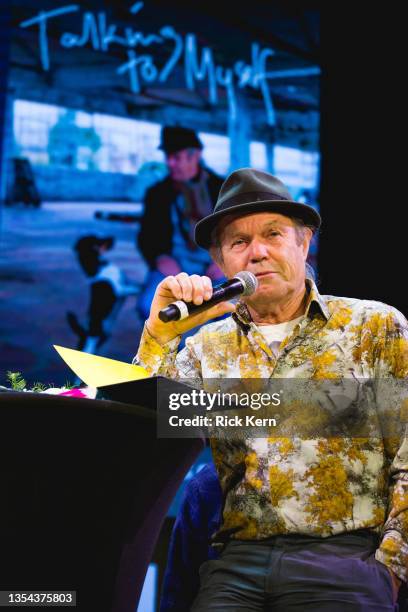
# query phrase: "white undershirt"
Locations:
[[274, 334]]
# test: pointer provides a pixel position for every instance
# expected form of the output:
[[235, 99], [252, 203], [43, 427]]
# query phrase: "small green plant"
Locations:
[[38, 386], [16, 381]]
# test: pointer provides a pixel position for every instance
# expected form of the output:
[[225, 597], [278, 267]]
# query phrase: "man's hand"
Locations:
[[196, 289], [396, 583], [167, 265]]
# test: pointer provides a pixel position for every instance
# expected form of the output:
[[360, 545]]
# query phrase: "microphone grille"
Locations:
[[249, 281]]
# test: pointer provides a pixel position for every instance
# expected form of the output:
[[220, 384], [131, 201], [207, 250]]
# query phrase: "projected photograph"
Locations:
[[89, 91]]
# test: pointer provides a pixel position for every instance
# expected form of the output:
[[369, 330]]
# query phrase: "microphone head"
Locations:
[[249, 281]]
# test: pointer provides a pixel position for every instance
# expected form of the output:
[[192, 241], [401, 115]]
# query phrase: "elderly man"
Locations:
[[320, 523], [172, 208]]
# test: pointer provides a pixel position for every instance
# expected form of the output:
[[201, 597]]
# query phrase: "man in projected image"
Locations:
[[317, 523], [172, 208]]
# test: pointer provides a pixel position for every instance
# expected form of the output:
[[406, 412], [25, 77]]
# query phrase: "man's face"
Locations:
[[183, 165], [270, 246]]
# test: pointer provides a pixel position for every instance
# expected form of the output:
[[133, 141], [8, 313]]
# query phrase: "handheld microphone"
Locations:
[[244, 283]]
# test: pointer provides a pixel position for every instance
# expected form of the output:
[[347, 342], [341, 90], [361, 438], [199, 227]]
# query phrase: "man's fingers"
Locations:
[[186, 286], [198, 289], [180, 287], [208, 288], [192, 288], [172, 285]]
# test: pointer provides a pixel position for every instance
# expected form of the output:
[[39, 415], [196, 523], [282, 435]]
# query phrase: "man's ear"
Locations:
[[307, 237]]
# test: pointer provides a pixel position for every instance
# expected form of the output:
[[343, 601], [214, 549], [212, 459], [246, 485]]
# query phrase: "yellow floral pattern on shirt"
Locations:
[[331, 500], [281, 485], [304, 484]]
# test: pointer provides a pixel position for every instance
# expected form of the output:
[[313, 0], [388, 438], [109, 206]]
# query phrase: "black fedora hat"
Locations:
[[247, 191], [176, 138]]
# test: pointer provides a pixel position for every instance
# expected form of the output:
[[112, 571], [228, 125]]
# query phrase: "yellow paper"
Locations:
[[98, 371]]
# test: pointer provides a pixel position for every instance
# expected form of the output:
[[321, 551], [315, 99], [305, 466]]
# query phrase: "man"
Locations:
[[319, 523], [172, 208], [196, 522]]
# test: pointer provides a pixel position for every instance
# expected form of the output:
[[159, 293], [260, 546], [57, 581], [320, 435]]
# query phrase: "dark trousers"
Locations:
[[297, 573]]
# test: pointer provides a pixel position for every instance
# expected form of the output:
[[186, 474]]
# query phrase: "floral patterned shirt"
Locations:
[[317, 486]]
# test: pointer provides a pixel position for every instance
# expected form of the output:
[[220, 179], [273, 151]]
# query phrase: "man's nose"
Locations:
[[258, 250]]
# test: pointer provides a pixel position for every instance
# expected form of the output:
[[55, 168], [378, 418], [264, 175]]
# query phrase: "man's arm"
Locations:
[[393, 396], [159, 342], [393, 549]]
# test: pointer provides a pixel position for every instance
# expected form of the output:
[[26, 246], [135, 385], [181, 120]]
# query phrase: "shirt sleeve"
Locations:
[[156, 358], [393, 372], [164, 360]]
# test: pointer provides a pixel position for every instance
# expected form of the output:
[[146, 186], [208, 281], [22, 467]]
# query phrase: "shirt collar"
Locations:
[[315, 304], [315, 301]]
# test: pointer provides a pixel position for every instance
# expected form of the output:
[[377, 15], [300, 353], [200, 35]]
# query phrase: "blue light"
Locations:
[[147, 602]]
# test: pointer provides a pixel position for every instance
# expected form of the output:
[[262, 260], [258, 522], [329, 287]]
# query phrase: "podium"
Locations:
[[85, 486]]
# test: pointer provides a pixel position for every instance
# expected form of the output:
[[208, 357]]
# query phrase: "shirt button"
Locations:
[[278, 457]]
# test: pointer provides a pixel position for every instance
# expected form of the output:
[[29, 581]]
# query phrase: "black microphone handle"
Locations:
[[220, 294]]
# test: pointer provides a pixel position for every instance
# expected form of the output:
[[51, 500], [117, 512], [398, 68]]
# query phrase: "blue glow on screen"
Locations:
[[258, 155], [298, 169], [147, 601], [54, 135], [60, 137], [216, 152]]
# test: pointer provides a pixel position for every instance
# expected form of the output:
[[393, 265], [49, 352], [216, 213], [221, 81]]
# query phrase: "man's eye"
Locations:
[[274, 233], [238, 242]]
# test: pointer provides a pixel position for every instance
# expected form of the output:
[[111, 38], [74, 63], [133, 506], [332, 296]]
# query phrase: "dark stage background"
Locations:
[[362, 243]]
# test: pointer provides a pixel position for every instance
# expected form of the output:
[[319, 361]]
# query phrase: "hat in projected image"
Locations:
[[176, 138], [247, 191]]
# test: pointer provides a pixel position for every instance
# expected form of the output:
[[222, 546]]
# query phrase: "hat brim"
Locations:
[[204, 228], [168, 150]]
